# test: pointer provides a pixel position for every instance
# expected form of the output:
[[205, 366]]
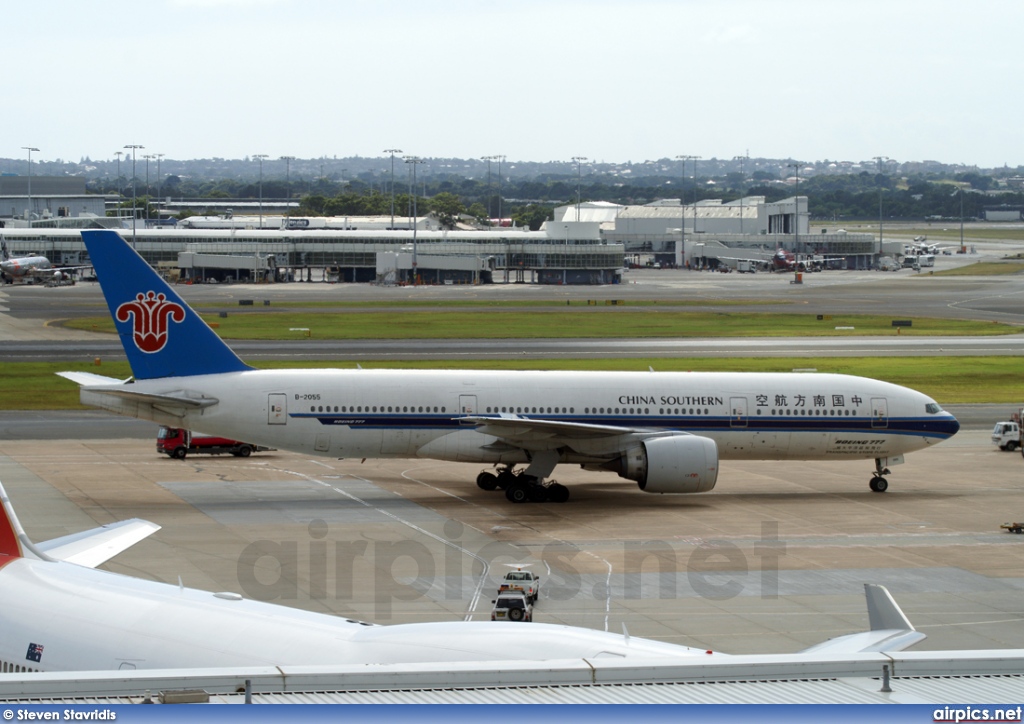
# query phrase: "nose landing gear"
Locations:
[[879, 484]]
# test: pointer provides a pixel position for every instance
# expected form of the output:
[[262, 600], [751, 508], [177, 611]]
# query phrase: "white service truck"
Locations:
[[1006, 435]]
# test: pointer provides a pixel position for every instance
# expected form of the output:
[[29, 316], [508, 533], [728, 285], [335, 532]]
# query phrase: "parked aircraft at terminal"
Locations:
[[36, 267], [667, 431], [59, 613]]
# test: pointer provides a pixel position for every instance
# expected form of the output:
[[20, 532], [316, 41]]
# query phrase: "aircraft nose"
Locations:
[[945, 425]]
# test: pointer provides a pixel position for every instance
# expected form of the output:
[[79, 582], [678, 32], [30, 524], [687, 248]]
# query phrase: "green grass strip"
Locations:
[[599, 324]]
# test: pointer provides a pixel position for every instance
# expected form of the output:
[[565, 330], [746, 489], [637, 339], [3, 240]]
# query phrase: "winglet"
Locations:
[[883, 612], [890, 629], [161, 335]]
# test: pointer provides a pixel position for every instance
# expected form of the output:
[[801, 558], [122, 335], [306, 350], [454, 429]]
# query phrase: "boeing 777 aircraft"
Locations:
[[58, 613], [667, 431]]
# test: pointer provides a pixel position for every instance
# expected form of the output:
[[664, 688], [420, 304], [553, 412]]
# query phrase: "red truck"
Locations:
[[178, 442]]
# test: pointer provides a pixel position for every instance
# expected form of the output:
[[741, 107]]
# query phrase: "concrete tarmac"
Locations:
[[774, 559]]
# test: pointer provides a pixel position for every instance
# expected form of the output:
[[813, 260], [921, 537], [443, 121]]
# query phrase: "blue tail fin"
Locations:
[[161, 335]]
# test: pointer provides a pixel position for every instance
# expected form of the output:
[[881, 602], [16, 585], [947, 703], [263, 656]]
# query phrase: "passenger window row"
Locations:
[[534, 410], [375, 408]]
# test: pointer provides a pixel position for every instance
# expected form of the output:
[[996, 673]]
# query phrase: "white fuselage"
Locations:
[[71, 618], [407, 413]]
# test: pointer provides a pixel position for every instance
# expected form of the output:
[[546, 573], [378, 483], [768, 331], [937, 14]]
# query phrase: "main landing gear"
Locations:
[[879, 484], [522, 488]]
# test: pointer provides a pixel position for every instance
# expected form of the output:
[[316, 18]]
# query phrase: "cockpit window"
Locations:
[[932, 408]]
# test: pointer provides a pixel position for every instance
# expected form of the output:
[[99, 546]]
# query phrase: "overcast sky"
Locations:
[[535, 80]]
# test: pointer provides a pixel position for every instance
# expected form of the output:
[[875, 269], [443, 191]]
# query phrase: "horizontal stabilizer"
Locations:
[[173, 399], [84, 379], [890, 628], [101, 385], [90, 548]]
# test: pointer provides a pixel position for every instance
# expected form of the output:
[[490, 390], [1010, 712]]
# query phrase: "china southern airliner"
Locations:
[[665, 430]]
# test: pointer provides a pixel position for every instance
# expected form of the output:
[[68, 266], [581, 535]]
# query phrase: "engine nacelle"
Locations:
[[674, 464]]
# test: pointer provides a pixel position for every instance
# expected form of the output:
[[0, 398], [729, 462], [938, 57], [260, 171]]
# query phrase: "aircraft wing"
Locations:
[[93, 547], [520, 430], [751, 259], [890, 628]]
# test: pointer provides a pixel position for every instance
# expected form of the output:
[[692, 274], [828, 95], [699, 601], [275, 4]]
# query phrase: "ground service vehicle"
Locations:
[[177, 442], [524, 582], [1013, 527], [1006, 435], [512, 606]]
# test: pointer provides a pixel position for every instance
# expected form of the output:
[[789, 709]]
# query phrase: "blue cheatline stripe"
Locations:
[[914, 427]]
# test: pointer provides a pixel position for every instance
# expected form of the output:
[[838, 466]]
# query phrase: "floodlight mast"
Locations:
[[881, 161], [796, 224], [682, 207], [288, 181], [30, 149], [391, 151], [414, 161], [579, 160], [134, 147], [259, 157]]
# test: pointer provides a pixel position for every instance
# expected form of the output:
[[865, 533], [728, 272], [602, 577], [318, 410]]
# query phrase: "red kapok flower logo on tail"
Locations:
[[151, 312]]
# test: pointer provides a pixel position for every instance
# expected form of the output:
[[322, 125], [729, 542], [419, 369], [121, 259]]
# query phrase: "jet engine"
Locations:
[[674, 464]]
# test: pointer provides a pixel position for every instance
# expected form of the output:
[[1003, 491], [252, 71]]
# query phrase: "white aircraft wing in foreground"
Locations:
[[666, 431], [57, 615]]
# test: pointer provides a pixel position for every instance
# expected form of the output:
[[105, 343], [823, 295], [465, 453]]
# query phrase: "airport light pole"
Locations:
[[392, 151], [414, 161], [119, 154], [743, 182], [796, 223], [488, 159], [579, 178], [134, 147], [499, 157], [682, 208], [963, 249], [259, 157], [159, 184], [881, 160], [30, 149], [147, 156], [695, 159], [288, 180]]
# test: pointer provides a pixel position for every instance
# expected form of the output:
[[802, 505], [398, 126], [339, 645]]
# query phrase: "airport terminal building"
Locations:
[[586, 243]]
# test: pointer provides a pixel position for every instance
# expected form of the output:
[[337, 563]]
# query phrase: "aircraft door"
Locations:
[[467, 404], [277, 408], [879, 413], [737, 412]]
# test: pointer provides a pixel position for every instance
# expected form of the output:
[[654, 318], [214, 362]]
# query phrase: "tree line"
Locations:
[[530, 202]]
